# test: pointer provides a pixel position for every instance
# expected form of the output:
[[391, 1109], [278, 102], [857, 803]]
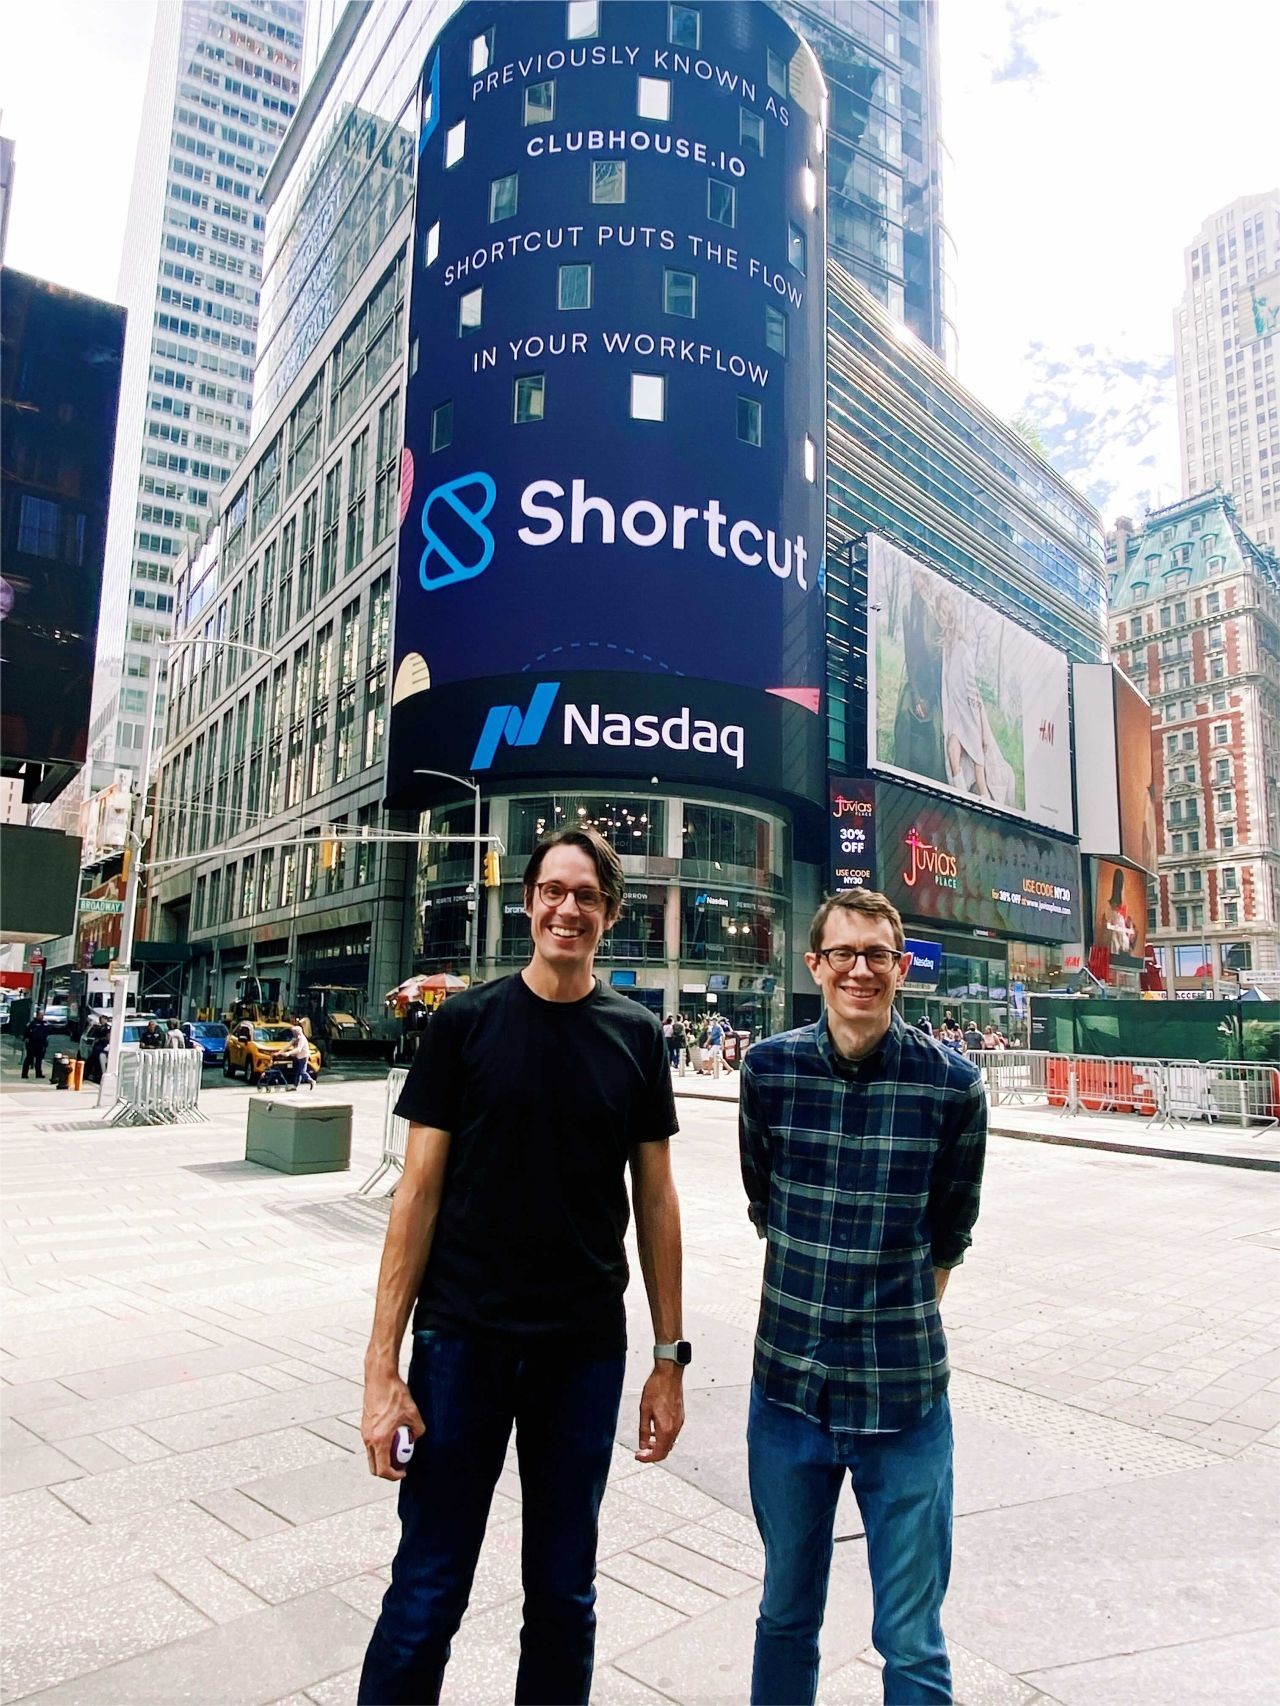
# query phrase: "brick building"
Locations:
[[1195, 623]]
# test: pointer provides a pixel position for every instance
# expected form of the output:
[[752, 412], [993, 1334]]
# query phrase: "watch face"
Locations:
[[684, 1353]]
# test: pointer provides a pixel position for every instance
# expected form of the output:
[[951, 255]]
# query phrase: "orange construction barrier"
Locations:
[[1056, 1081], [1144, 1095], [77, 1074]]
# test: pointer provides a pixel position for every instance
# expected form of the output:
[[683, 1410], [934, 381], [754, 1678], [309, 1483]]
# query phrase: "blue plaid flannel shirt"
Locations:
[[863, 1176]]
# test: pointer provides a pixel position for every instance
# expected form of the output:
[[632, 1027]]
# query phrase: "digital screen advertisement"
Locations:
[[853, 833], [612, 493], [942, 862], [1134, 774], [962, 698], [1120, 911]]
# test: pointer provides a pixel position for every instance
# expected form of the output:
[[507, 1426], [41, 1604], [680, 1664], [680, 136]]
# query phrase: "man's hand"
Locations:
[[387, 1404], [661, 1412]]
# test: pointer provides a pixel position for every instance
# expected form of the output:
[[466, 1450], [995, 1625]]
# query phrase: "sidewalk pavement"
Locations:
[[189, 1517], [1253, 1147]]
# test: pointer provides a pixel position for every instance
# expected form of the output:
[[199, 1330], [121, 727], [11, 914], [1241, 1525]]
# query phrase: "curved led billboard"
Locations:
[[612, 492]]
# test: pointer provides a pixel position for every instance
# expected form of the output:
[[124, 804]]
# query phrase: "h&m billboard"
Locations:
[[945, 864], [612, 504], [960, 697]]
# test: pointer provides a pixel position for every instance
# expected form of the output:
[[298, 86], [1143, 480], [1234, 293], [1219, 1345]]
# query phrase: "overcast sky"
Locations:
[[1088, 140]]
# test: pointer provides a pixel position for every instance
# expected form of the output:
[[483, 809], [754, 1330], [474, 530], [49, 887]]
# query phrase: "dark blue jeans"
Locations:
[[565, 1411], [902, 1482]]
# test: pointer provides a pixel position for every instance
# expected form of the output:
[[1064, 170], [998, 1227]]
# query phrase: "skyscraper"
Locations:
[[221, 88], [1227, 334]]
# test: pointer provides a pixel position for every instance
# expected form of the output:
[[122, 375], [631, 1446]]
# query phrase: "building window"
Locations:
[[679, 293], [387, 480], [442, 426], [1225, 804], [1231, 912], [775, 330], [1227, 835], [609, 181], [1221, 734], [431, 248], [540, 102], [810, 460], [504, 197], [573, 285], [38, 526], [470, 311], [776, 72], [1229, 883], [796, 247], [648, 397], [722, 203], [455, 143], [329, 532], [684, 26], [583, 21], [357, 481], [751, 130], [481, 52], [653, 98], [530, 392], [750, 421]]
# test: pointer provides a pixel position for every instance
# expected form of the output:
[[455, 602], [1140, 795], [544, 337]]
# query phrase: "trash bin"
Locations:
[[60, 1071]]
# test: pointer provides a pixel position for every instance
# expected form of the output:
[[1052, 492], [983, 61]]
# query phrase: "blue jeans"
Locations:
[[902, 1482], [565, 1411]]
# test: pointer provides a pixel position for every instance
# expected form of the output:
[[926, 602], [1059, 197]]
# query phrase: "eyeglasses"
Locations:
[[878, 959], [555, 894]]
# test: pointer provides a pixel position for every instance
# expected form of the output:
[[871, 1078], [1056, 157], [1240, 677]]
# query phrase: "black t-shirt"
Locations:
[[543, 1101]]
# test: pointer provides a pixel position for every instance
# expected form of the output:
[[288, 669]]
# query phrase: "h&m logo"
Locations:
[[508, 723], [1046, 732]]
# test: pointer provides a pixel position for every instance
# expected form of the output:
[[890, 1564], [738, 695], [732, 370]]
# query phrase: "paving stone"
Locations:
[[246, 1516], [661, 1584], [176, 1398], [695, 1567], [72, 1565], [252, 1416], [362, 1593], [191, 1474], [282, 1566], [90, 1632], [209, 1589], [342, 1433], [36, 1515], [94, 1455], [625, 1522], [1231, 1670], [667, 1492], [744, 1557], [320, 1489], [37, 1466], [338, 1690], [149, 1372], [65, 1364], [272, 1653]]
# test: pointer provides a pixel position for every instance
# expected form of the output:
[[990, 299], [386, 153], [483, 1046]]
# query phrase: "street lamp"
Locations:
[[128, 918], [468, 782]]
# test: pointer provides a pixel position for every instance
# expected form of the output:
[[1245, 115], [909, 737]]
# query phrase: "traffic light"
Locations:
[[492, 870]]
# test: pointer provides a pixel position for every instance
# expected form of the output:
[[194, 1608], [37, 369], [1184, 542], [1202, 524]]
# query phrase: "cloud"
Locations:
[[1108, 423], [1020, 63]]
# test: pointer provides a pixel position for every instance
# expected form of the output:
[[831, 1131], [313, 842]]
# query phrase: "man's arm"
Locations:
[[657, 1212], [414, 1211], [957, 1185], [753, 1149]]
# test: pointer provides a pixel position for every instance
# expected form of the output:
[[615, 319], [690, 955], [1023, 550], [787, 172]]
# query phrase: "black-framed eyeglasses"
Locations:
[[878, 959], [555, 894]]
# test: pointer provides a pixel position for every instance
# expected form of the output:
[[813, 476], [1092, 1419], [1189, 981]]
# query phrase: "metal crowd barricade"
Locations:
[[158, 1087], [1170, 1092], [395, 1132]]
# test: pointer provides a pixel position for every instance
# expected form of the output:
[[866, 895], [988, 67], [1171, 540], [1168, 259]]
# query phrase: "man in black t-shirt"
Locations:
[[527, 1101]]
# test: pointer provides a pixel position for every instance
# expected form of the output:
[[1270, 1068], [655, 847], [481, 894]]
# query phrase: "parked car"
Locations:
[[251, 1049], [212, 1037], [57, 1015]]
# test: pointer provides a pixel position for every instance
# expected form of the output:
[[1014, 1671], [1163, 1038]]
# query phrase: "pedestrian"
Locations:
[[298, 1054], [715, 1045], [174, 1037], [925, 1025], [972, 1036], [98, 1037], [153, 1036], [36, 1037], [529, 1098], [189, 1040], [679, 1045], [862, 1149], [674, 1049], [697, 1043]]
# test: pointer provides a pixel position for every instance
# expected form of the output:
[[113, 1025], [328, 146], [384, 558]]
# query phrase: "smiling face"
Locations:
[[565, 937], [858, 999]]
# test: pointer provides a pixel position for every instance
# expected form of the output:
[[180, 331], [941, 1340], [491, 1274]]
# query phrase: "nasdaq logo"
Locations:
[[445, 561], [508, 723]]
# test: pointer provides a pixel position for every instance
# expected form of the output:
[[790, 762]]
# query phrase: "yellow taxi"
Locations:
[[251, 1049]]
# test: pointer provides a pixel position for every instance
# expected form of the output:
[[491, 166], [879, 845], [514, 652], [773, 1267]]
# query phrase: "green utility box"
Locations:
[[298, 1137]]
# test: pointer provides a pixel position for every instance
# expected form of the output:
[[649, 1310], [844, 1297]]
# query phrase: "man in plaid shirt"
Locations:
[[862, 1146]]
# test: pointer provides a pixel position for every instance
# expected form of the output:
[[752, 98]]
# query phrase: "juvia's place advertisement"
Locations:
[[611, 547]]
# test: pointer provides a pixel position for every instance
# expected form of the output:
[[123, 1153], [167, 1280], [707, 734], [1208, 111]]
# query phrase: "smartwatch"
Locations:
[[680, 1352]]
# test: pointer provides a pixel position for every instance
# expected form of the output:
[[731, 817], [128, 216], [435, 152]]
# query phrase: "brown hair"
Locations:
[[593, 844], [864, 901]]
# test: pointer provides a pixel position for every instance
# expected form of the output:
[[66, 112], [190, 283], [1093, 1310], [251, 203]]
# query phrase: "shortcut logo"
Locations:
[[441, 565], [508, 723]]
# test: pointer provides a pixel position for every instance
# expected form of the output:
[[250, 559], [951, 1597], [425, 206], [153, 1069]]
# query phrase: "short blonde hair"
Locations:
[[865, 901]]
